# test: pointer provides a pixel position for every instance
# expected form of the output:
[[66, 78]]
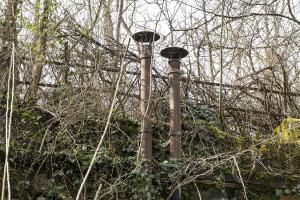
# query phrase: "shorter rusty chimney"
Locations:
[[174, 54]]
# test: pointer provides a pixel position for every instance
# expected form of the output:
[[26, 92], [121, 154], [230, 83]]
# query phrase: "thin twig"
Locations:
[[241, 178]]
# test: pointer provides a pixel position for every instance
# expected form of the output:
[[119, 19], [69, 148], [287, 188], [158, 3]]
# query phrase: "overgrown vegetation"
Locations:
[[66, 66], [48, 159]]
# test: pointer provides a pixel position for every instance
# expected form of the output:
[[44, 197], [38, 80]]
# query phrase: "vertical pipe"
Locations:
[[175, 115], [146, 130], [174, 109], [174, 54], [146, 39]]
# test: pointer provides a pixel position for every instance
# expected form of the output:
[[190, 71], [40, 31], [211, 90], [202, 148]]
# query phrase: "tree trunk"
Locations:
[[42, 46], [66, 67], [120, 12], [9, 38]]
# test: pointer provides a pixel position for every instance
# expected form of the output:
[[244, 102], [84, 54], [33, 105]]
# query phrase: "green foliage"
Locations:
[[56, 171], [289, 130], [33, 27], [199, 112]]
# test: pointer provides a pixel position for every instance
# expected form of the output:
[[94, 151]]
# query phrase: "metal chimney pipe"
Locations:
[[174, 54], [174, 109], [146, 38]]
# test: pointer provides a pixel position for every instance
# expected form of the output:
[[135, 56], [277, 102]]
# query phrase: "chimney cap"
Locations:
[[174, 53], [146, 36]]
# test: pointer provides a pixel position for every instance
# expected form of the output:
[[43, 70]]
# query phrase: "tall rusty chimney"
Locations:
[[174, 54], [146, 38]]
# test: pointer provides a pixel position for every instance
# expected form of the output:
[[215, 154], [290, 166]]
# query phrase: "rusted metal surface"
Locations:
[[146, 132], [174, 109], [174, 53], [146, 38]]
